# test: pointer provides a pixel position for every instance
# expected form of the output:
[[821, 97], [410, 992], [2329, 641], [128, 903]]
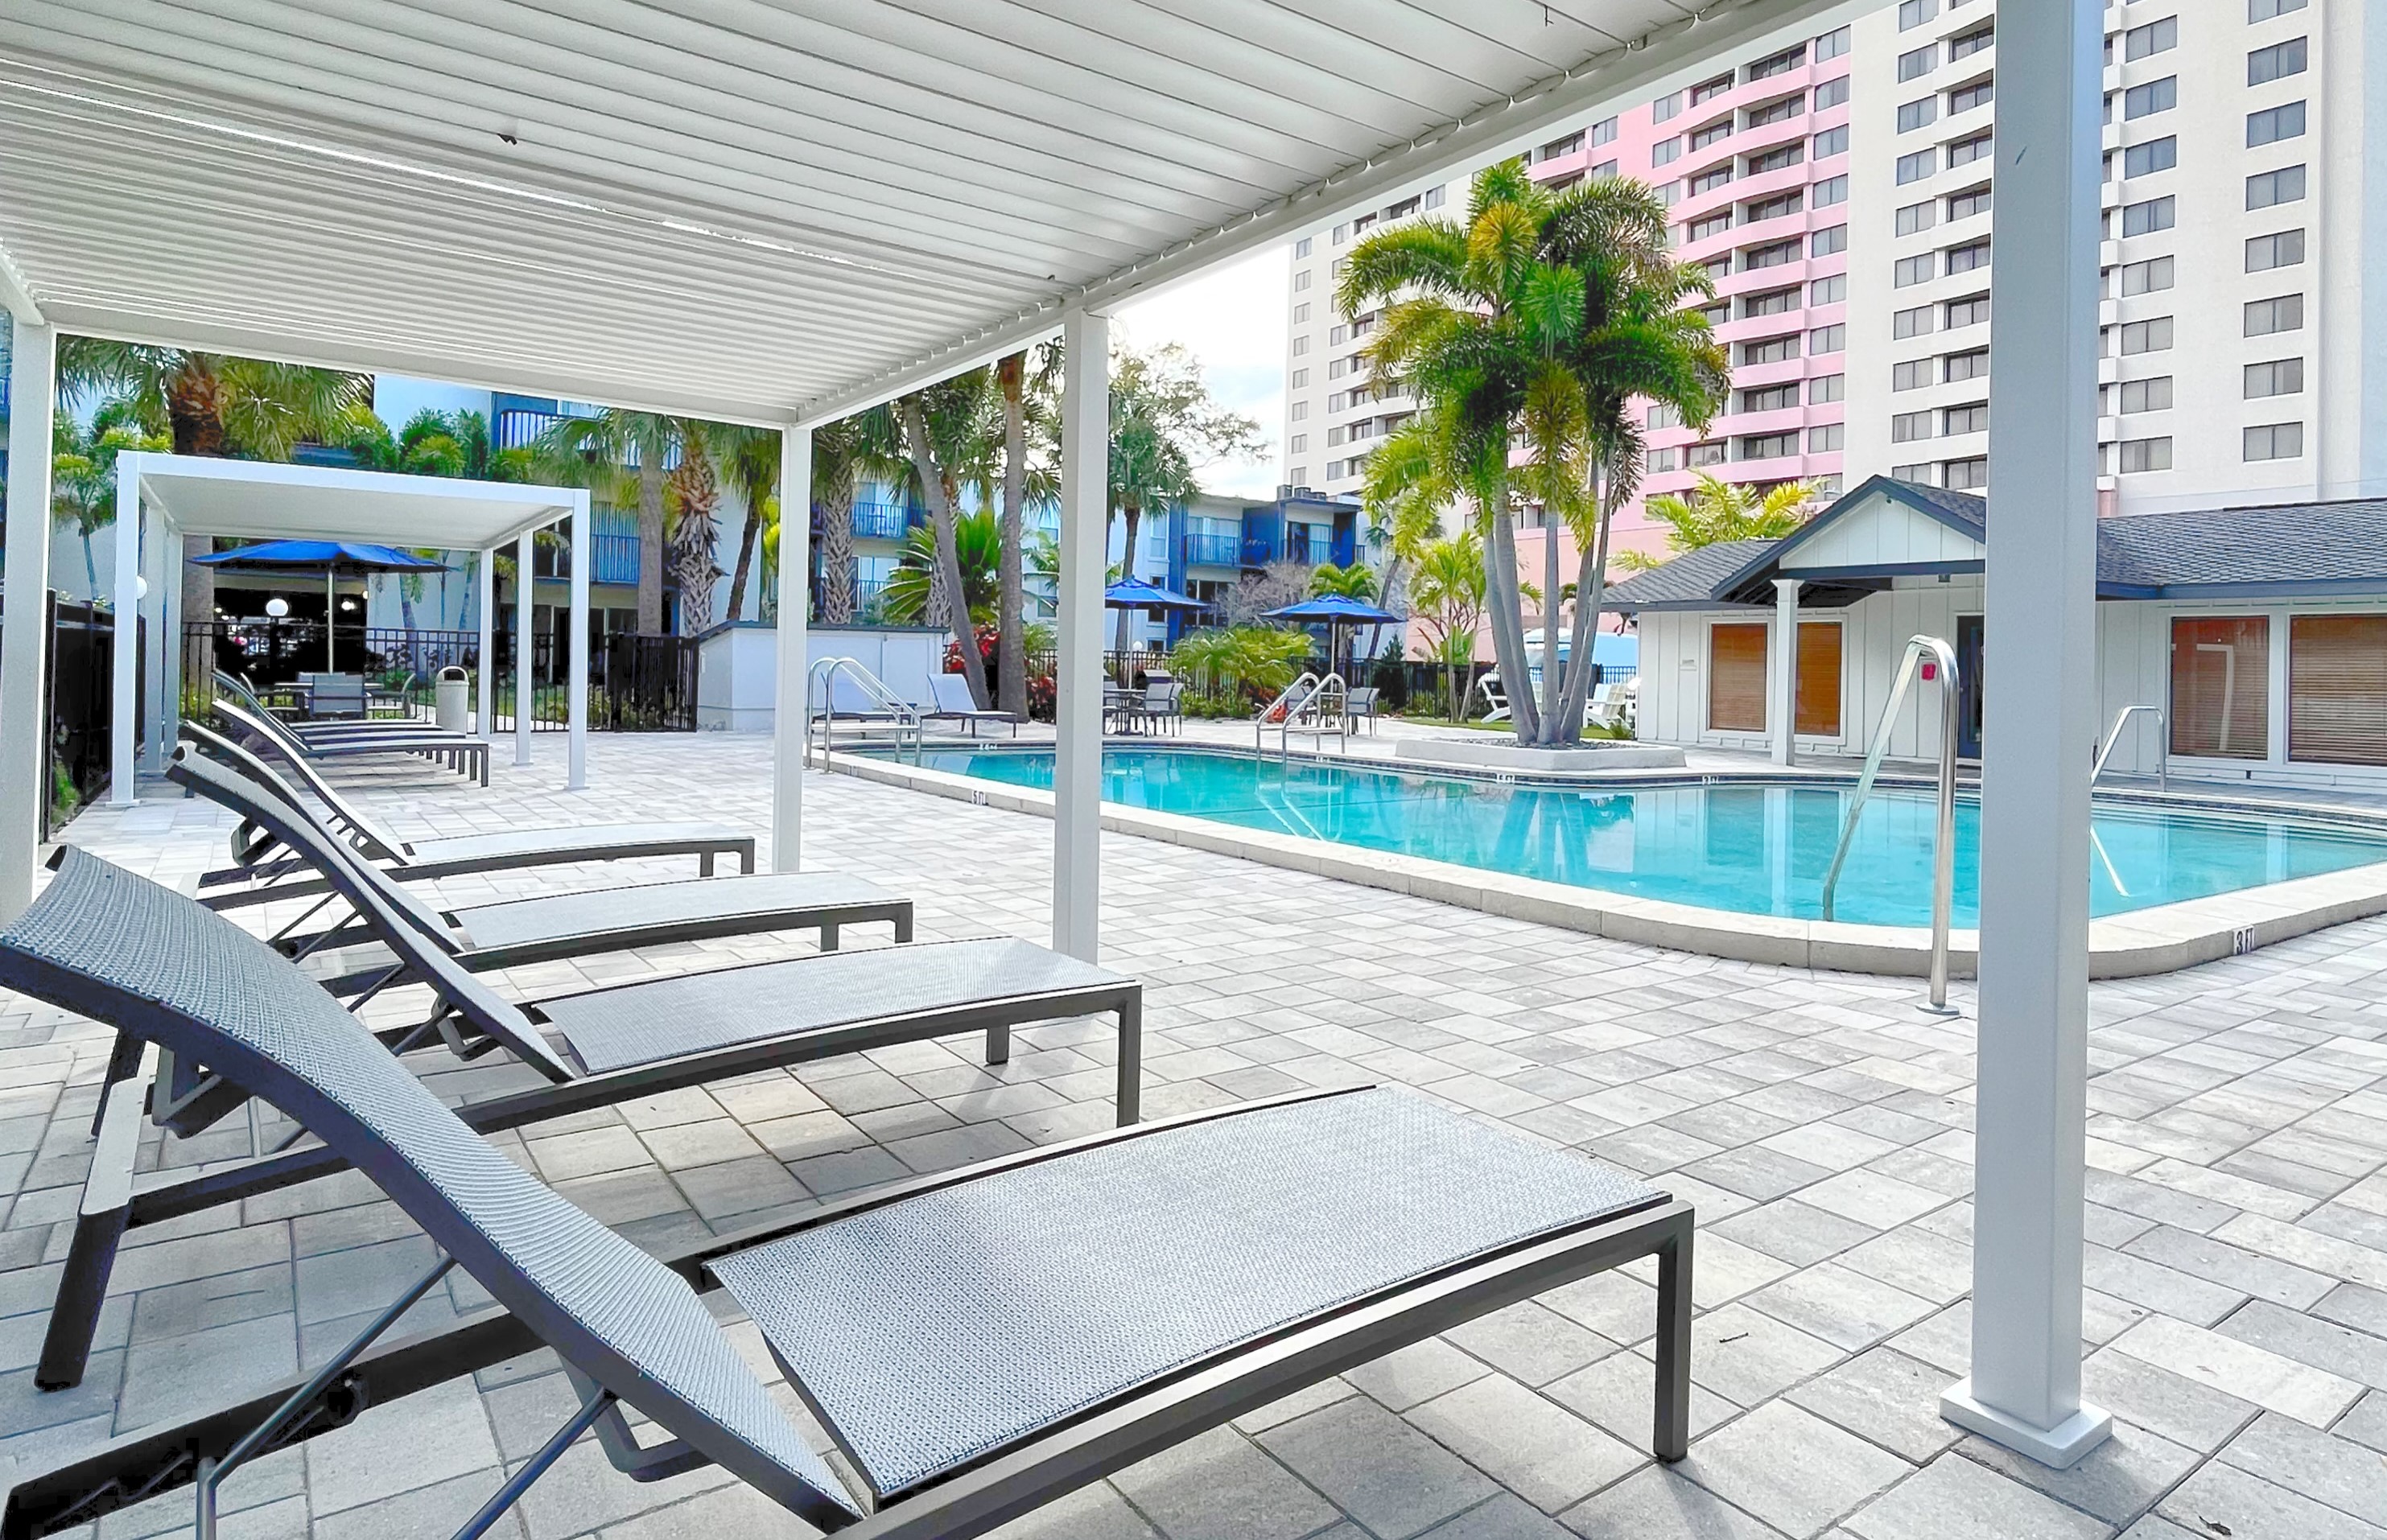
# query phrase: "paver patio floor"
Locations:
[[2236, 1323]]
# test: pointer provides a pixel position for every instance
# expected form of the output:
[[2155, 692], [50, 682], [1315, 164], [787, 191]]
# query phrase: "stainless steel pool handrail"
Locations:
[[1943, 875], [1297, 699], [2113, 738], [824, 673]]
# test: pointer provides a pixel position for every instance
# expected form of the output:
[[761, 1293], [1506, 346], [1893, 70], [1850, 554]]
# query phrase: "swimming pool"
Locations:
[[1747, 848]]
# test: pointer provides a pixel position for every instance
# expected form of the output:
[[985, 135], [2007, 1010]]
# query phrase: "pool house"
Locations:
[[2258, 635]]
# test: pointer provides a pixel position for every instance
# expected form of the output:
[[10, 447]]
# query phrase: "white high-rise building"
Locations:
[[2238, 315]]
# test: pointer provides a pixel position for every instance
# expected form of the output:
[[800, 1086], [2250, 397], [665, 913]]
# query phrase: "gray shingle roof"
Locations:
[[1690, 578]]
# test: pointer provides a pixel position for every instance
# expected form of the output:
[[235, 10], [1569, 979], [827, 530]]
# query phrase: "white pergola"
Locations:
[[172, 496], [779, 211]]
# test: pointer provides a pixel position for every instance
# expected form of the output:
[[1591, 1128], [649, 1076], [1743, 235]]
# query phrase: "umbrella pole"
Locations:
[[331, 608]]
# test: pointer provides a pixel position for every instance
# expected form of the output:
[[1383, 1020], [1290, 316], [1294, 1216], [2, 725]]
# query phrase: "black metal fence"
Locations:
[[76, 759]]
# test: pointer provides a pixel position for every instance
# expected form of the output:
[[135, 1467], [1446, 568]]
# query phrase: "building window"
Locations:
[[1832, 141], [1775, 112], [2145, 454], [1912, 374], [1771, 161], [2273, 124], [1297, 475], [1342, 233], [1831, 190], [1603, 131], [1918, 216], [1972, 417], [2337, 674], [1666, 151], [1772, 302], [1769, 350], [1769, 398], [1301, 280], [1300, 379], [1917, 63], [1963, 152], [1338, 368], [1298, 444], [1829, 339], [1702, 137], [1969, 312], [1924, 474], [2144, 101], [1832, 44], [2276, 62], [1300, 346], [2132, 396], [2275, 441], [1714, 224], [1920, 113], [1832, 92], [2146, 277], [2265, 316], [2155, 37], [1766, 68], [1658, 461], [1700, 455], [1770, 446], [1336, 437], [1301, 246], [1965, 45], [1710, 89], [2152, 335], [1980, 93], [2145, 219], [1433, 197], [1966, 475], [1334, 468], [1964, 258], [1905, 427], [1826, 438], [2262, 10], [1912, 270], [1773, 207], [1665, 107], [1779, 254], [2276, 377], [1955, 367], [1300, 314], [1557, 147], [1737, 677], [2267, 189], [1334, 269], [1915, 13], [1300, 411], [1829, 291], [1338, 336], [1661, 415], [1712, 179], [1916, 166], [1971, 201], [1717, 313], [1911, 323], [1826, 389], [2285, 249], [2220, 686], [2155, 155], [1827, 243]]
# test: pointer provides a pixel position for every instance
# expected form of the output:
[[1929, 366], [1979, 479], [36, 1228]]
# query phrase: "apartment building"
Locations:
[[2232, 327], [1753, 163]]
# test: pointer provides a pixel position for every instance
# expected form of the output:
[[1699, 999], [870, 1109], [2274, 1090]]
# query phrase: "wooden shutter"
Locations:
[[1737, 678], [2336, 688], [2221, 687], [1819, 679]]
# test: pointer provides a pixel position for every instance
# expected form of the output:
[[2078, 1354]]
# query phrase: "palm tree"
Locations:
[[1015, 385], [943, 431], [612, 452], [750, 458], [1450, 579], [1164, 427], [695, 492], [83, 473], [1717, 511], [977, 541], [1354, 581]]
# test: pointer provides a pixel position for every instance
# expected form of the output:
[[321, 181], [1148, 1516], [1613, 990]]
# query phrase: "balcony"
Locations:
[[1213, 550], [885, 520]]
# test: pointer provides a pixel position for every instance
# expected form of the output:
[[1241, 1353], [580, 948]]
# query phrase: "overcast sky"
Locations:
[[1235, 321]]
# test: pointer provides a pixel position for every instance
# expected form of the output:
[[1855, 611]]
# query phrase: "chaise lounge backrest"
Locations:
[[118, 948], [378, 838]]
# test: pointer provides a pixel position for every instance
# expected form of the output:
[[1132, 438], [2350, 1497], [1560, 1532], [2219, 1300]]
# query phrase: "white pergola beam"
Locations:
[[17, 298], [24, 642], [576, 702], [792, 719], [484, 669], [1085, 562], [525, 645], [125, 690], [2031, 1121]]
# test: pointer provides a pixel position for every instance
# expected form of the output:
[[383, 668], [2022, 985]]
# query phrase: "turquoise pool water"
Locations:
[[1751, 849]]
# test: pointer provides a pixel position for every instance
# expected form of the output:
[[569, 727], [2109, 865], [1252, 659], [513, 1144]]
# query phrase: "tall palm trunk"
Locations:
[[1130, 509], [651, 539], [1011, 604], [949, 559], [1590, 589], [90, 571], [195, 419], [1507, 611], [745, 566], [1553, 685], [836, 549]]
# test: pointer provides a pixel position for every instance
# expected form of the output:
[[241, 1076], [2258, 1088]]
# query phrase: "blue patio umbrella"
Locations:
[[333, 558], [1135, 593], [1334, 611]]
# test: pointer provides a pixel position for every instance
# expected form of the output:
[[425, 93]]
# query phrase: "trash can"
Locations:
[[454, 701]]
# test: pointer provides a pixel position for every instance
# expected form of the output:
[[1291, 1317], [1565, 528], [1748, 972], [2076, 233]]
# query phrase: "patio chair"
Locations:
[[1359, 705], [462, 754], [1114, 1296], [622, 1043], [310, 730], [334, 695], [953, 703], [1611, 704], [1163, 706], [1496, 700], [421, 860]]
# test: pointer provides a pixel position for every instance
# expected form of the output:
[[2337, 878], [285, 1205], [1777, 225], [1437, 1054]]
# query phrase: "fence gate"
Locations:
[[75, 761], [645, 684]]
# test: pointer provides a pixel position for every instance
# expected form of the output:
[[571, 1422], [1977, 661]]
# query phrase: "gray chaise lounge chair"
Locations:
[[421, 860], [953, 703], [613, 1045], [329, 728], [1192, 1269], [466, 756]]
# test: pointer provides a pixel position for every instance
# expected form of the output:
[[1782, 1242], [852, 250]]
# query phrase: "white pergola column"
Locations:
[[1085, 555], [793, 703], [575, 777], [524, 646], [124, 702], [153, 686], [1782, 677], [24, 648], [168, 589], [484, 672], [2032, 1123]]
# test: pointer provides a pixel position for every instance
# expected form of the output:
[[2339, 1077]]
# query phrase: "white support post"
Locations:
[[24, 650], [576, 707], [2031, 1133], [1085, 549], [153, 686], [1782, 678], [525, 646], [168, 589], [124, 701], [792, 705], [485, 671]]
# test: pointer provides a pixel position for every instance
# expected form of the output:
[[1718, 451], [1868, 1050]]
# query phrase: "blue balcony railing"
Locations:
[[613, 559], [1258, 550], [1212, 550], [885, 520]]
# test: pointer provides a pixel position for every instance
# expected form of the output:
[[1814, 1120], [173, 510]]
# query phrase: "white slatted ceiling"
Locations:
[[728, 207]]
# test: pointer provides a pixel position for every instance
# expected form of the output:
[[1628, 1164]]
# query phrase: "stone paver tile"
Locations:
[[1531, 1342], [1791, 1469], [1953, 1499], [1620, 1394], [583, 1492], [2117, 1481], [1299, 1403], [1841, 1306], [1418, 1372], [2360, 1356], [1506, 1517], [1747, 1357], [418, 1441], [1535, 1448], [739, 1509], [1885, 1397], [204, 1368], [1659, 1504], [1376, 1467], [2263, 1377], [1872, 1198], [2332, 1471], [2221, 1496], [1095, 1512]]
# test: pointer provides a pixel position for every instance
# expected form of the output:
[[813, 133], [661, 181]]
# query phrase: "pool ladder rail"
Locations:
[[1312, 706], [2113, 738], [881, 710], [1937, 661]]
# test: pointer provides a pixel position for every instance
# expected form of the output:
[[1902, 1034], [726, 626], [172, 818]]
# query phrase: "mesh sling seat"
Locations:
[[328, 728], [588, 1049], [974, 1344], [264, 878], [462, 754]]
